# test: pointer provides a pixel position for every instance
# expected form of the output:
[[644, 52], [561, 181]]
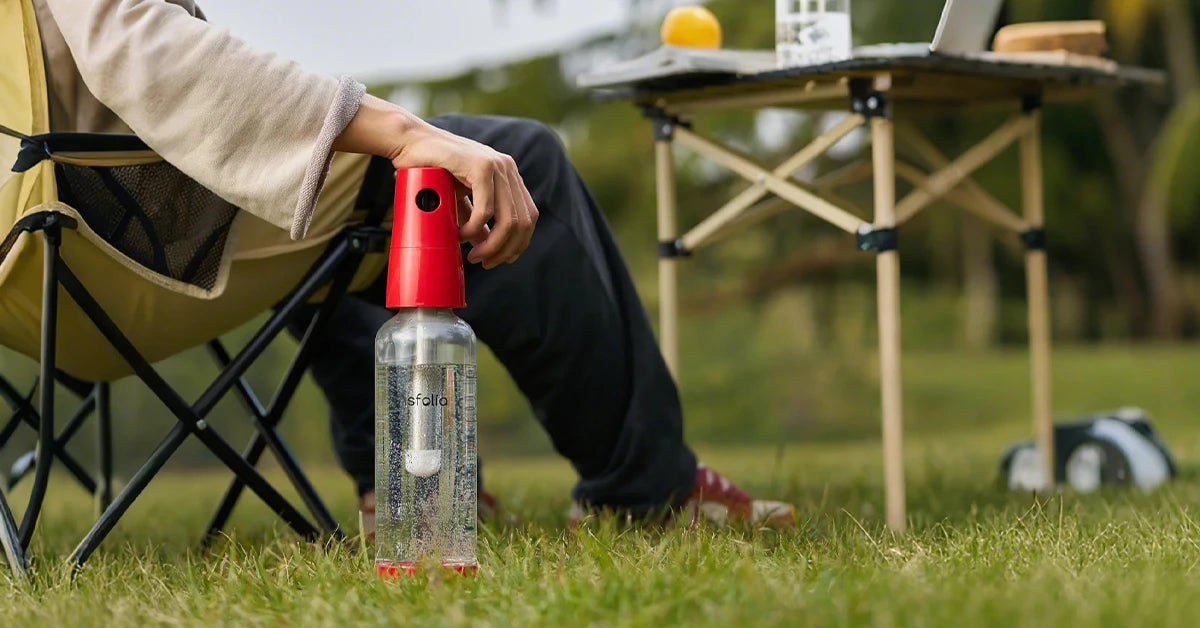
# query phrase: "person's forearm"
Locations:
[[379, 128], [253, 128]]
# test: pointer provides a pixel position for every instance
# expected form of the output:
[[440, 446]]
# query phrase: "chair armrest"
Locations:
[[38, 148]]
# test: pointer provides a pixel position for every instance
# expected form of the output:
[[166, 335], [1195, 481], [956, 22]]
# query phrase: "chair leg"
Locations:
[[104, 446], [108, 519], [10, 540], [10, 428], [191, 418], [29, 416], [266, 420], [86, 406], [20, 406], [52, 236]]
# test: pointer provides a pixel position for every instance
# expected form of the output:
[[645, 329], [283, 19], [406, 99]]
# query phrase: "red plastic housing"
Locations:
[[425, 262]]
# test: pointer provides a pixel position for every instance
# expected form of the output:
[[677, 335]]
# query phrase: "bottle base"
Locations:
[[403, 568]]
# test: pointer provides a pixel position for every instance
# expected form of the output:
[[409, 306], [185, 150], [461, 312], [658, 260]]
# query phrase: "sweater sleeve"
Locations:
[[254, 128]]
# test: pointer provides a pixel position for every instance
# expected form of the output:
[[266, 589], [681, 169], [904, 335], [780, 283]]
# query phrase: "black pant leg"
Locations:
[[567, 323]]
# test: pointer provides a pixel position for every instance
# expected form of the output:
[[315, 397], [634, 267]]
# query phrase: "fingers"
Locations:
[[475, 228], [527, 214], [514, 242], [512, 226], [496, 205], [465, 209]]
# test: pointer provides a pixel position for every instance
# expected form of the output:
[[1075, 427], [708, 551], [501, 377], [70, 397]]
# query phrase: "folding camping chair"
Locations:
[[148, 266]]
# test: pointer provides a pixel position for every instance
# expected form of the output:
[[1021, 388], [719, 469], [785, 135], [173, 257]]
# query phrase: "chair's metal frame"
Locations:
[[94, 399], [336, 268]]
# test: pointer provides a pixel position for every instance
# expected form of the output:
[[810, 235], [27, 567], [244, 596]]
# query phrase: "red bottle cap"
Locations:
[[425, 262]]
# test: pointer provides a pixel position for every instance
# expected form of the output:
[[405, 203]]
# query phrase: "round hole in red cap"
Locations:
[[428, 200]]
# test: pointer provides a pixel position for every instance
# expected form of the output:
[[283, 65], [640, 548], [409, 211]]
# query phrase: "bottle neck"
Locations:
[[431, 315], [433, 311]]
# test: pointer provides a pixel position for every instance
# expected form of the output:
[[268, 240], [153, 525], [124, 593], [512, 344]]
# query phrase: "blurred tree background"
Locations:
[[779, 327]]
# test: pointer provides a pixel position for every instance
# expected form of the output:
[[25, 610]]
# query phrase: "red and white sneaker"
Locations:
[[717, 501], [720, 502]]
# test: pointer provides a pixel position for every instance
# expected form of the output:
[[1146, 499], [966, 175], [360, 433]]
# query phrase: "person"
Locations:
[[547, 289]]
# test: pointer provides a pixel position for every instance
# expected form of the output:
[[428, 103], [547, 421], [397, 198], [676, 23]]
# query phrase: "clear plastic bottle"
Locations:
[[809, 32], [425, 425]]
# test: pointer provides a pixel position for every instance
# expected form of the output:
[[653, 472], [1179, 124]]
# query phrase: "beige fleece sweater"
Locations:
[[253, 128]]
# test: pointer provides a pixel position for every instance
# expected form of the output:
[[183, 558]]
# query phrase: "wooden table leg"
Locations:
[[668, 231], [888, 283], [1039, 297]]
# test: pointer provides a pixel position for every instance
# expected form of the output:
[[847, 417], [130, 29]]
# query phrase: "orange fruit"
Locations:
[[693, 27]]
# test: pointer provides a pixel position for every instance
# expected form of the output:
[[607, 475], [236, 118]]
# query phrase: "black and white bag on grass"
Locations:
[[1118, 447]]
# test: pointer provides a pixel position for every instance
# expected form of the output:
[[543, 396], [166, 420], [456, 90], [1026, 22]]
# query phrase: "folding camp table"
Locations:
[[883, 93]]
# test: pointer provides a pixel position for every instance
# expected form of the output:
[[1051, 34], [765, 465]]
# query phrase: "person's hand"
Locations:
[[496, 190], [489, 178]]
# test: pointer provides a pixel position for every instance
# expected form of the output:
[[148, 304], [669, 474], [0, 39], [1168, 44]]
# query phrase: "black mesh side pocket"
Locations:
[[154, 214]]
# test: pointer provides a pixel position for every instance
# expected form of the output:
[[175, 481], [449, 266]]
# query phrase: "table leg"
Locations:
[[888, 283], [668, 231], [1038, 296]]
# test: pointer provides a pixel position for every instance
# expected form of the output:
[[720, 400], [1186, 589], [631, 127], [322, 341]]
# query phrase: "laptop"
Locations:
[[965, 29]]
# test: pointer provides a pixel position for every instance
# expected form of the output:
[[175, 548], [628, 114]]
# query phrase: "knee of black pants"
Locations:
[[541, 159], [536, 139]]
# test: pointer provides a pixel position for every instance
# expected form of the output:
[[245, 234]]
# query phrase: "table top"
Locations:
[[924, 81]]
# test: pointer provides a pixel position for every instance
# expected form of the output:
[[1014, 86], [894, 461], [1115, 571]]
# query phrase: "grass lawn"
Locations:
[[975, 554]]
